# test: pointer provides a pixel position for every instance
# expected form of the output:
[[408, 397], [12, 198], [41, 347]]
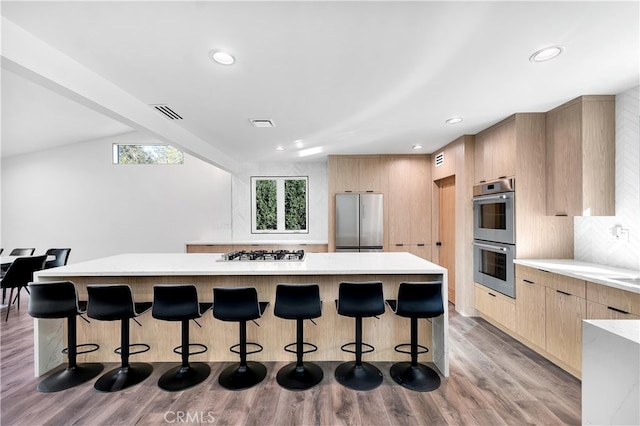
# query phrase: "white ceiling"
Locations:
[[341, 77]]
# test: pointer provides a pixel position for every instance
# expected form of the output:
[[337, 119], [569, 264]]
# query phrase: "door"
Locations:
[[447, 231], [371, 222], [347, 222]]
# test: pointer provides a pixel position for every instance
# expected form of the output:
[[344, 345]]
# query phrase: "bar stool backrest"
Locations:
[[294, 301], [53, 299], [22, 252], [360, 299], [236, 303], [110, 302], [61, 254], [175, 302], [420, 299]]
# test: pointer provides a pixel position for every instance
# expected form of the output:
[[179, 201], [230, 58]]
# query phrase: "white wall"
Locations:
[[317, 193], [592, 239], [75, 197]]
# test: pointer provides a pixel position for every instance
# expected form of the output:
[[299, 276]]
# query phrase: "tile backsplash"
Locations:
[[593, 241]]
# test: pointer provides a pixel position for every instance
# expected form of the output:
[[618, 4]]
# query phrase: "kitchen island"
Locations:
[[205, 271]]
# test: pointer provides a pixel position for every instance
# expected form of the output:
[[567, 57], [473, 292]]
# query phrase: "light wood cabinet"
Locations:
[[496, 306], [605, 302], [409, 204], [355, 173], [564, 315], [531, 309], [495, 151], [598, 311], [580, 157]]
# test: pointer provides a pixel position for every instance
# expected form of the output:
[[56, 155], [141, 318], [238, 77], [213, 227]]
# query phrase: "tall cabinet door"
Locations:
[[565, 313]]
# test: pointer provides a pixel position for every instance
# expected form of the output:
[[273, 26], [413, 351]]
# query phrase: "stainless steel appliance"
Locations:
[[493, 266], [264, 255], [494, 235], [359, 222], [494, 211]]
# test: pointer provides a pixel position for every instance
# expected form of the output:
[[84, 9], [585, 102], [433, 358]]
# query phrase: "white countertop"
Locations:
[[627, 329], [596, 273], [152, 264], [253, 242]]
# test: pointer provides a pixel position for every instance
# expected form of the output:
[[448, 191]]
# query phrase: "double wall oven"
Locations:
[[494, 235]]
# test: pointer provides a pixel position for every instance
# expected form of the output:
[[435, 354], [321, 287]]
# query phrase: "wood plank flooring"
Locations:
[[494, 380]]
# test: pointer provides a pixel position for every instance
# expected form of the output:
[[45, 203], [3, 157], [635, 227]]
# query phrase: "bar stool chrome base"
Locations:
[[294, 377], [358, 377], [70, 377], [183, 377], [415, 377], [123, 377], [238, 377]]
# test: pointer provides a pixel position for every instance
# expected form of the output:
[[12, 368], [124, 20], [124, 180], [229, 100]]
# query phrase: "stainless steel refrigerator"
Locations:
[[359, 222]]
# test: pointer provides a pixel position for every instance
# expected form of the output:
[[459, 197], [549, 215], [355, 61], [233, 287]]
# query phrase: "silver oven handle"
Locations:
[[490, 247], [491, 197]]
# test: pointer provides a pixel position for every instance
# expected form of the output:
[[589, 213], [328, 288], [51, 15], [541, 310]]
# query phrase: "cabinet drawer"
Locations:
[[598, 311], [619, 299], [569, 285], [497, 306], [534, 275]]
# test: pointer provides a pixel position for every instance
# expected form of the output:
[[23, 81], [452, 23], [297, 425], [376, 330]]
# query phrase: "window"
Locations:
[[279, 205], [146, 154]]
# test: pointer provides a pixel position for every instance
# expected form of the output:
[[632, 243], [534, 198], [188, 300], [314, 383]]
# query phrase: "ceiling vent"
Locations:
[[167, 111], [439, 159], [261, 122]]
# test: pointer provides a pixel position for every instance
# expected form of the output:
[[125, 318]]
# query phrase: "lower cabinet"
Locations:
[[420, 250], [564, 315], [598, 311], [531, 311], [496, 306]]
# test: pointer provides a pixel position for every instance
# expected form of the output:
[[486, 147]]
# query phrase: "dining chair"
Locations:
[[61, 254], [22, 252], [19, 275]]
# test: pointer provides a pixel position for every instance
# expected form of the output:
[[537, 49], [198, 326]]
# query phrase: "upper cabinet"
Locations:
[[495, 151], [581, 157], [356, 173]]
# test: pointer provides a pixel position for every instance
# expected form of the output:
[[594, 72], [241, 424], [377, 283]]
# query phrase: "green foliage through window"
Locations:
[[146, 154], [279, 204]]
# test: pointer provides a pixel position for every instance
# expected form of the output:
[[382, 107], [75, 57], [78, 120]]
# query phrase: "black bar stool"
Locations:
[[180, 303], [298, 302], [115, 303], [240, 304], [358, 300], [60, 300], [416, 300]]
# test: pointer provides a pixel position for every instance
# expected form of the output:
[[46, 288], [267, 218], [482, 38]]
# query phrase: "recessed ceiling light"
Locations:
[[262, 122], [453, 120], [416, 146], [546, 54], [221, 57], [279, 148]]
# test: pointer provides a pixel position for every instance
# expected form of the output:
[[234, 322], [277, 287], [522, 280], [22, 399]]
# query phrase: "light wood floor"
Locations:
[[494, 380]]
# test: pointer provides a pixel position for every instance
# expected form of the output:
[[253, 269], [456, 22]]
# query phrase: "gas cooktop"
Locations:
[[264, 255]]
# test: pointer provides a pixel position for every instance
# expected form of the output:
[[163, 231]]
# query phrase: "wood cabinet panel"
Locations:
[[496, 306], [369, 174], [564, 315], [580, 164], [598, 311], [495, 151], [347, 174], [618, 299], [531, 311]]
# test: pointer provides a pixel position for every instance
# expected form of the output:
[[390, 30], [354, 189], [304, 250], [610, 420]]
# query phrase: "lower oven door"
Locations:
[[493, 266]]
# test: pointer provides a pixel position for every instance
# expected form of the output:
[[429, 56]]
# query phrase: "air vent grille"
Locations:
[[439, 159], [168, 112], [262, 122]]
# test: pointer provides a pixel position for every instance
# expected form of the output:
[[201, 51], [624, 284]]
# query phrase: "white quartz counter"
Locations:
[[610, 372], [623, 279], [153, 264]]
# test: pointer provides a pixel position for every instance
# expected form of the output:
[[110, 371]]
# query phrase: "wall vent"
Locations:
[[439, 159], [167, 111], [262, 122]]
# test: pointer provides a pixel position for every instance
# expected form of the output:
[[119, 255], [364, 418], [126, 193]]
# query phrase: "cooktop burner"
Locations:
[[264, 255]]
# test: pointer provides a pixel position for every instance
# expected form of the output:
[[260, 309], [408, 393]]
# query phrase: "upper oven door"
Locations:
[[494, 217]]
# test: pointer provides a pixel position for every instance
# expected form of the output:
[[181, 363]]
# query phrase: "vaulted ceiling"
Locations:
[[334, 77]]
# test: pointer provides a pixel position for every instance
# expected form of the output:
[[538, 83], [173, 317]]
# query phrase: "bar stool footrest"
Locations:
[[236, 351], [422, 349], [178, 349], [293, 351], [144, 349], [94, 347], [369, 347]]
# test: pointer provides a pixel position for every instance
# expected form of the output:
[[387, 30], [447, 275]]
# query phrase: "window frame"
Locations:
[[280, 205]]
